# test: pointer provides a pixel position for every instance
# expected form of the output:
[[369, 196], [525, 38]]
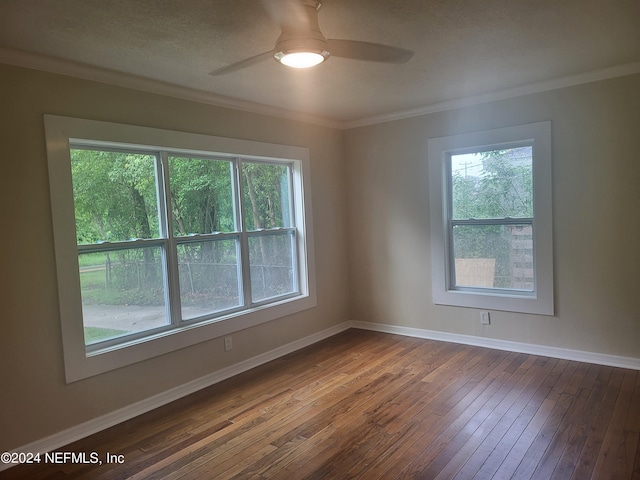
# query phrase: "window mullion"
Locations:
[[492, 221], [119, 245], [294, 223], [172, 282], [245, 269], [450, 274]]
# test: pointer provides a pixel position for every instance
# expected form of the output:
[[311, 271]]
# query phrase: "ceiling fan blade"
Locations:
[[247, 62], [371, 52]]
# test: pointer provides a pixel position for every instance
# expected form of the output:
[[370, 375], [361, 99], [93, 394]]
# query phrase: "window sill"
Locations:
[[79, 364], [540, 304]]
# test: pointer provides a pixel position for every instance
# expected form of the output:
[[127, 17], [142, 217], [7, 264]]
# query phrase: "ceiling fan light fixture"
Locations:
[[301, 43], [301, 59]]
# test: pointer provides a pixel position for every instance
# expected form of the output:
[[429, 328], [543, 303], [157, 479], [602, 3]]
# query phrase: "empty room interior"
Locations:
[[417, 258]]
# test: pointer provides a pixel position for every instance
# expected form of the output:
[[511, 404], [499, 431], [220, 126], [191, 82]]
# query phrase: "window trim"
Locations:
[[540, 301], [60, 132]]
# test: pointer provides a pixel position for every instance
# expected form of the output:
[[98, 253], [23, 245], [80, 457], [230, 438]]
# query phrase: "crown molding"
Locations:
[[111, 77], [537, 87]]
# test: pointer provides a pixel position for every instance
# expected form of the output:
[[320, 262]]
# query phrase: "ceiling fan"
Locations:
[[301, 43]]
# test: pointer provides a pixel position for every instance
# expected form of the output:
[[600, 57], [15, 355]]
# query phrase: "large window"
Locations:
[[490, 196], [187, 233]]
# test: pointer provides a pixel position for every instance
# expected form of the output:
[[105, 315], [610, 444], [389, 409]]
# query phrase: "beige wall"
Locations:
[[34, 400], [596, 195], [373, 257]]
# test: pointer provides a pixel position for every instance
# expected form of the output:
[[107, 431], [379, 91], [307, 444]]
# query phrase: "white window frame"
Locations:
[[540, 299], [82, 361]]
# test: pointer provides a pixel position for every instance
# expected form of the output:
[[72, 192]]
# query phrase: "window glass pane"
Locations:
[[267, 196], [114, 195], [494, 256], [493, 184], [272, 266], [122, 292], [209, 277], [201, 195]]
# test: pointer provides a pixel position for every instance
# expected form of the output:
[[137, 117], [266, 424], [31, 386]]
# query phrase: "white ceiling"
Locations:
[[463, 48]]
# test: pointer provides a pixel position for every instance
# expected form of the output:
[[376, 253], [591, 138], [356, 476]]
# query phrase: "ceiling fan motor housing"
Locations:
[[303, 35]]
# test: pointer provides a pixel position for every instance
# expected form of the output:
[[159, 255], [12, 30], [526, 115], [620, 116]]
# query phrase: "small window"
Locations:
[[171, 232], [490, 196]]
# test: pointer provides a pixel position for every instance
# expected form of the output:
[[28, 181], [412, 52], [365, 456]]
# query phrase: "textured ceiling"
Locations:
[[462, 47]]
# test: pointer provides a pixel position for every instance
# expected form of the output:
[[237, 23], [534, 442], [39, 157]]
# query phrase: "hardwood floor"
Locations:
[[371, 405]]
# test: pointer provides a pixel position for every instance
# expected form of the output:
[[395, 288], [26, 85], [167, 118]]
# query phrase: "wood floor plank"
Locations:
[[451, 458], [635, 473], [612, 460], [581, 423], [367, 405], [521, 446], [567, 447], [584, 376], [445, 429], [482, 438], [516, 412], [602, 416], [535, 453]]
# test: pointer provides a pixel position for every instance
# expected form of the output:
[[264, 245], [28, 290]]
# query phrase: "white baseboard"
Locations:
[[85, 429], [555, 352]]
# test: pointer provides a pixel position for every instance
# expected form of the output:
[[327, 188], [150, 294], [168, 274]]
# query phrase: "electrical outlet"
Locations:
[[228, 344], [485, 318]]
